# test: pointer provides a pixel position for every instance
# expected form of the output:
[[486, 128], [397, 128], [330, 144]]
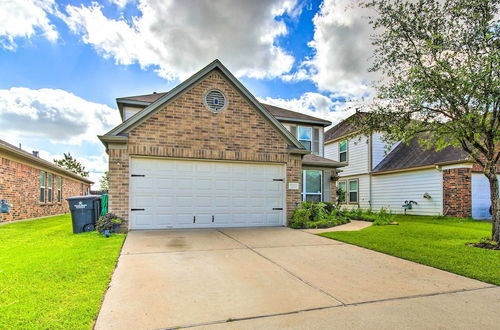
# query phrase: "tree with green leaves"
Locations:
[[71, 164], [439, 65], [104, 181]]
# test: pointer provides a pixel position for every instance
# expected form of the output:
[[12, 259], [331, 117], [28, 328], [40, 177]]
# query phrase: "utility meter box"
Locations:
[[4, 206]]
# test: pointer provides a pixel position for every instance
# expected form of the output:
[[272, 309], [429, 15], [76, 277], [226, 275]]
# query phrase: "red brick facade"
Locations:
[[457, 192], [184, 128], [20, 185]]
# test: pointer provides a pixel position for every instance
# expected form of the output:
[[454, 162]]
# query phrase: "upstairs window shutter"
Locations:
[[315, 142], [293, 130]]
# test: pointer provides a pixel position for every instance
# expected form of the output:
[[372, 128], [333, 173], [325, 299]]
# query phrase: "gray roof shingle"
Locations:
[[414, 155]]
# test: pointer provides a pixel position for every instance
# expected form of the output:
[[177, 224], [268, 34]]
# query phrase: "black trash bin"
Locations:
[[85, 211]]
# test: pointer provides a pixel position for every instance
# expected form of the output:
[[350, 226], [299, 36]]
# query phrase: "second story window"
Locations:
[[305, 137], [309, 137], [343, 151]]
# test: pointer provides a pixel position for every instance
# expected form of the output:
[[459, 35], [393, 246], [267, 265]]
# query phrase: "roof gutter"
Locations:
[[306, 121], [322, 164], [117, 139], [43, 163], [423, 167]]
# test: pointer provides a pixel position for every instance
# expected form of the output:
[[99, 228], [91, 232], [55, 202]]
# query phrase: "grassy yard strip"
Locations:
[[51, 278], [434, 241]]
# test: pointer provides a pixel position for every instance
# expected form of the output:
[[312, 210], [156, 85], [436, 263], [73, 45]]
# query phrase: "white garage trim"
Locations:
[[196, 193]]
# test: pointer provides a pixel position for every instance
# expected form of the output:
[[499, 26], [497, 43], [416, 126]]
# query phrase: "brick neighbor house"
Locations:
[[208, 154], [377, 175], [33, 186]]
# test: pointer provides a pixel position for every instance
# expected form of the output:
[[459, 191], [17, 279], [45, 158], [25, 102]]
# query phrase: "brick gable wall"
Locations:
[[457, 192], [20, 185], [185, 128]]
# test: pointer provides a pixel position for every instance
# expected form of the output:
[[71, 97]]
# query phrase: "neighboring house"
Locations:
[[35, 187], [378, 175], [208, 154]]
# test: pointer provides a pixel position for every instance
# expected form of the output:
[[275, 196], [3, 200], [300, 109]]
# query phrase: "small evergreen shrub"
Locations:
[[317, 215]]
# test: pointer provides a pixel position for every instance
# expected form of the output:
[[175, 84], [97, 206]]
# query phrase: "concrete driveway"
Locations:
[[282, 278]]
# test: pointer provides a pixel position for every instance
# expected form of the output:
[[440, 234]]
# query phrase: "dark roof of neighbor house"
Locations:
[[318, 161], [146, 98], [404, 156], [279, 113], [7, 147], [344, 128], [414, 155]]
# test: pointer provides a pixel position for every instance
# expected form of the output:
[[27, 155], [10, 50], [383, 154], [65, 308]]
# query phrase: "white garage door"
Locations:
[[200, 194], [480, 196]]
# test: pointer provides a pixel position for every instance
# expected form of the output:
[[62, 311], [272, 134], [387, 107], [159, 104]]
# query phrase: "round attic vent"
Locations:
[[215, 101]]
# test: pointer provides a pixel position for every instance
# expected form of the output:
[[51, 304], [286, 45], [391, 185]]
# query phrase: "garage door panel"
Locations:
[[172, 192]]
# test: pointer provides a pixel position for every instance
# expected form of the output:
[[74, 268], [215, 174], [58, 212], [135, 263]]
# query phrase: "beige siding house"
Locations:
[[378, 175]]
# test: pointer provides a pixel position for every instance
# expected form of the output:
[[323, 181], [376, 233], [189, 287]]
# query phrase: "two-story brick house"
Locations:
[[208, 154], [34, 187], [378, 175]]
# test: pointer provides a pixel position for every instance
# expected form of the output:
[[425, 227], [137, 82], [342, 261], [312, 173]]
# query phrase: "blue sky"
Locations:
[[63, 63]]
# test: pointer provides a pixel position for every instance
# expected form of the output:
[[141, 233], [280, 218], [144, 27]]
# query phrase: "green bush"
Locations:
[[300, 218], [317, 215], [109, 222], [383, 218]]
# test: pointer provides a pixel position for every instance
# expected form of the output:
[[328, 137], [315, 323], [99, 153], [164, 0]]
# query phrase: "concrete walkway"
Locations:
[[354, 225], [282, 278]]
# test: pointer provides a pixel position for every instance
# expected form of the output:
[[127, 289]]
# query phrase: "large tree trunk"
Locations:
[[490, 173]]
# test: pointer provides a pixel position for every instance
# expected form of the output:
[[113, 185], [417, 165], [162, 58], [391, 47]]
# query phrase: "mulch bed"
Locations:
[[488, 246]]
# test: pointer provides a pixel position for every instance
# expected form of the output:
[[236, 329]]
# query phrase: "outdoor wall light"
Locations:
[[427, 196]]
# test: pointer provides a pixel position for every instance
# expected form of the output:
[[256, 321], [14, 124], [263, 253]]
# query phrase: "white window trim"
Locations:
[[304, 193], [356, 191], [346, 151]]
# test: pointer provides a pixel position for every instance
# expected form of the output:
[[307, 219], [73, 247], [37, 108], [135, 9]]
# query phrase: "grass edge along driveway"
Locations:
[[438, 242], [51, 278]]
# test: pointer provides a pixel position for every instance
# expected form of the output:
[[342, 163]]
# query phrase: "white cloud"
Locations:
[[25, 18], [342, 51], [178, 39], [54, 115], [316, 105]]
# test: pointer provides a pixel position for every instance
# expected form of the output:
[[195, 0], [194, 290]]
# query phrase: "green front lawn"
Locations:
[[434, 241], [51, 278]]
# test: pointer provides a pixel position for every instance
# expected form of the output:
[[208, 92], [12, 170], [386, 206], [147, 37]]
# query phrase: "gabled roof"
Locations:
[[29, 157], [344, 128], [142, 115], [406, 156], [279, 113]]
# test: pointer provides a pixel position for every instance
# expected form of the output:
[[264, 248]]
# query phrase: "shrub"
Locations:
[[109, 222], [383, 217], [299, 218], [317, 215]]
